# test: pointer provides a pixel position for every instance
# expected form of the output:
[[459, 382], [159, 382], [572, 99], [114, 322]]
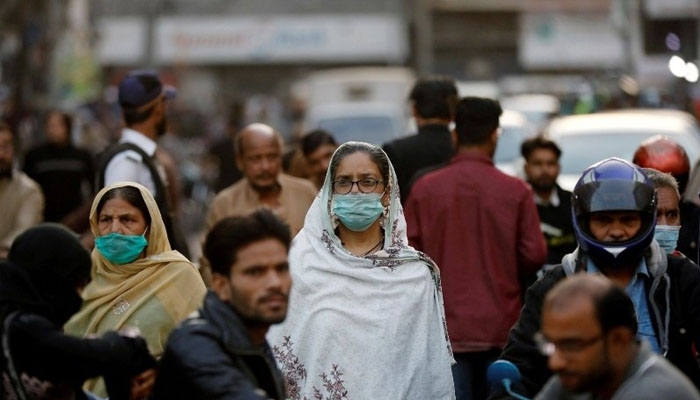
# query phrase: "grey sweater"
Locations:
[[649, 377]]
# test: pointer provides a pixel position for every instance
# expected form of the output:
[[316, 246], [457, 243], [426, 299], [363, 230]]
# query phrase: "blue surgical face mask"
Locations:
[[121, 249], [667, 237], [357, 211]]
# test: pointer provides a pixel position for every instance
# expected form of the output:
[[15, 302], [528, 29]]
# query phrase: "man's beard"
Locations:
[[543, 185], [598, 378], [251, 317]]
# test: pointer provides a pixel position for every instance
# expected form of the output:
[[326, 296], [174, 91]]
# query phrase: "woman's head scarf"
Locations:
[[153, 293], [156, 276], [321, 222], [353, 319], [45, 266]]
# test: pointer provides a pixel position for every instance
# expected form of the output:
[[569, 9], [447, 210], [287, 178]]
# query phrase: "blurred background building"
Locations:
[[68, 52]]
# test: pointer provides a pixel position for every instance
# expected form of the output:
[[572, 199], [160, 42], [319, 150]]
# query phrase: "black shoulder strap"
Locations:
[[161, 195]]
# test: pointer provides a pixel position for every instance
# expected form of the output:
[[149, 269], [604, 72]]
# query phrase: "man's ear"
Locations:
[[220, 286]]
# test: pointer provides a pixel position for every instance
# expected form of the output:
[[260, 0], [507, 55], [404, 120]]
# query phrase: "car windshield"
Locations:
[[373, 129], [581, 151], [508, 148]]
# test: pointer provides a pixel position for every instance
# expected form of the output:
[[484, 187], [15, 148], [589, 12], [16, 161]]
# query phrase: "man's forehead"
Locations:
[[254, 140], [576, 314], [268, 251], [543, 152]]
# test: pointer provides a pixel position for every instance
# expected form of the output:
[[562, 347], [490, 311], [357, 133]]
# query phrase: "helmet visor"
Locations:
[[614, 195]]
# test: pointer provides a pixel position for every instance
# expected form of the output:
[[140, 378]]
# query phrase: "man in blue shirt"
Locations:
[[614, 209]]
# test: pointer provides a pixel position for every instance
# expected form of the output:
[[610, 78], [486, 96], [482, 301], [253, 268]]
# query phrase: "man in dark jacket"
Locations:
[[432, 101], [614, 206], [221, 352], [553, 203]]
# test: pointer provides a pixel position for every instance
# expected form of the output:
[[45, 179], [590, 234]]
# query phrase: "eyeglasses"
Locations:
[[367, 185], [566, 347]]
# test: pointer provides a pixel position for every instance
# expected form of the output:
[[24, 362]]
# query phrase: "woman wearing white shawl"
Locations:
[[366, 318]]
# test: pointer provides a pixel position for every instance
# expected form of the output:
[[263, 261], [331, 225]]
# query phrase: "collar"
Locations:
[[234, 333], [144, 142], [641, 269], [554, 200], [472, 156]]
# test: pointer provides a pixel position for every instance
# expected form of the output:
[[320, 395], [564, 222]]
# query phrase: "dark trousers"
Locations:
[[469, 374]]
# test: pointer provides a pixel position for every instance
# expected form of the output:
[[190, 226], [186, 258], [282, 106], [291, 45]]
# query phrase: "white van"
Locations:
[[362, 103]]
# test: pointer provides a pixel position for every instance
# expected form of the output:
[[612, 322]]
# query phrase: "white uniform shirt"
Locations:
[[128, 165]]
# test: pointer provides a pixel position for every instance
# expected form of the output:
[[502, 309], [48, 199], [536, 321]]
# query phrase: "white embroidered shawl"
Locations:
[[362, 327]]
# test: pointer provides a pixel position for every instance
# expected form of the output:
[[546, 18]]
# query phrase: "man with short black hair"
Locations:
[[588, 332], [481, 227], [433, 99], [553, 203], [318, 147], [221, 352]]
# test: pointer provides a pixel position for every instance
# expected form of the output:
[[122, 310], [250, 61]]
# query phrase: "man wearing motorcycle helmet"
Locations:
[[614, 215], [665, 155]]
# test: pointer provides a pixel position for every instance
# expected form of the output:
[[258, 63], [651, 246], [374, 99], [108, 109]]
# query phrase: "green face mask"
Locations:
[[121, 249], [357, 211]]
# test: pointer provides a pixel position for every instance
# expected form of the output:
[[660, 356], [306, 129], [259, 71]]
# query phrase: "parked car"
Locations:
[[587, 139], [537, 108]]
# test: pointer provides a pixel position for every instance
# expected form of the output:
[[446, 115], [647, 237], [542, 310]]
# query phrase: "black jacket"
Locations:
[[35, 301], [210, 356], [50, 363], [690, 229], [673, 294], [557, 226], [430, 146]]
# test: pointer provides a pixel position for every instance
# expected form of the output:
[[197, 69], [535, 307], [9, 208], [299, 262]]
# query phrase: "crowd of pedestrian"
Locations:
[[345, 270]]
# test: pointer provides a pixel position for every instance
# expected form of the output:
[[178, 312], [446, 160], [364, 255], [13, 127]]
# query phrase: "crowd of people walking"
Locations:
[[345, 270]]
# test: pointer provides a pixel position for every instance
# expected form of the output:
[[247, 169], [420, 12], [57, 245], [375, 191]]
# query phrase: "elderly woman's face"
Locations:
[[118, 215], [357, 173]]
